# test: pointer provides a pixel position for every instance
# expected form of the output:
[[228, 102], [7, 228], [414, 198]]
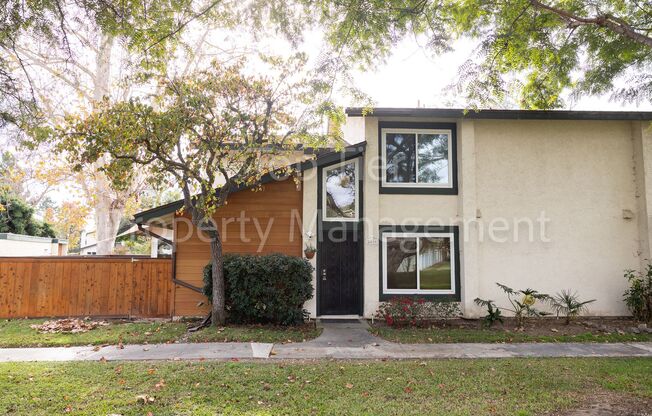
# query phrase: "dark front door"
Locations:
[[340, 273]]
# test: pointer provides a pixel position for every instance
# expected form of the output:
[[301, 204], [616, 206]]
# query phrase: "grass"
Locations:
[[451, 387], [444, 335], [256, 334], [17, 333]]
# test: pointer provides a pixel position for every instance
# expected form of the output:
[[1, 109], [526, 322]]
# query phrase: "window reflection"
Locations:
[[341, 191]]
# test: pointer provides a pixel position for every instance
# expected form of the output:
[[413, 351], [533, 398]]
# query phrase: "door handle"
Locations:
[[323, 274]]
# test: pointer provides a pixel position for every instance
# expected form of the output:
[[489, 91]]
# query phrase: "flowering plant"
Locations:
[[411, 311]]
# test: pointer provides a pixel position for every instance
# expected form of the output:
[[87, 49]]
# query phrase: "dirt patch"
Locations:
[[610, 404], [547, 326]]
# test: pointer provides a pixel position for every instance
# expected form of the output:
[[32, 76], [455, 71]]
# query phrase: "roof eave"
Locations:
[[321, 159], [499, 114]]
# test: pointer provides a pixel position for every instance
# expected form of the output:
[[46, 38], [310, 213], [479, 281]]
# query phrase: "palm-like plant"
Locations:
[[568, 304], [523, 307], [493, 312]]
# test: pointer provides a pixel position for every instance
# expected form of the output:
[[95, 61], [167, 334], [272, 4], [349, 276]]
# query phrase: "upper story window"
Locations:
[[340, 189], [418, 159]]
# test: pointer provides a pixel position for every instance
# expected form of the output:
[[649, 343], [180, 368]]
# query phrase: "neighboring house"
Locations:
[[444, 203], [19, 245], [161, 239]]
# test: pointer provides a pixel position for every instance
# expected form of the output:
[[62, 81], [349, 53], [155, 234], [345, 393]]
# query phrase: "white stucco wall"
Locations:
[[584, 177], [580, 176], [309, 227], [389, 209]]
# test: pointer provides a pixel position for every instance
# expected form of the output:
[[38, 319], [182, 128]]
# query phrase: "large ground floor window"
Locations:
[[419, 261]]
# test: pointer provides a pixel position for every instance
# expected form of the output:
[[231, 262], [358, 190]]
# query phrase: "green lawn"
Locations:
[[441, 335], [256, 334], [451, 387], [17, 333]]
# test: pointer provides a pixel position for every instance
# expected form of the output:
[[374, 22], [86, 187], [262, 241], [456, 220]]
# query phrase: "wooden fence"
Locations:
[[85, 286]]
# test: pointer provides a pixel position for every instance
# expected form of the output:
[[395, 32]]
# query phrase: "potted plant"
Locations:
[[309, 251]]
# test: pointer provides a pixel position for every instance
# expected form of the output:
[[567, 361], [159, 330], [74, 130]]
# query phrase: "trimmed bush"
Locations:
[[264, 289], [403, 311]]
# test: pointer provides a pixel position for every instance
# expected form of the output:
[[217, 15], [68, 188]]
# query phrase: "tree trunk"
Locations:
[[107, 213], [107, 222], [219, 298], [102, 78]]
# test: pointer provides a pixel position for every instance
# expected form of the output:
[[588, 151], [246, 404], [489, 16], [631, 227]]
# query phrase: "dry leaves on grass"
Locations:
[[67, 326]]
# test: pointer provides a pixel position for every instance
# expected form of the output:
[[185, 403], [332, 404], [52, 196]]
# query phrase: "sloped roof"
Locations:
[[324, 157]]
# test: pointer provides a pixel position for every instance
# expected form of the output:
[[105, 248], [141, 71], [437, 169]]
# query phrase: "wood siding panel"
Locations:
[[73, 286], [274, 212]]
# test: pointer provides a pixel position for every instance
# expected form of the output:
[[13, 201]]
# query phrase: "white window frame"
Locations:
[[416, 132], [357, 191], [418, 290]]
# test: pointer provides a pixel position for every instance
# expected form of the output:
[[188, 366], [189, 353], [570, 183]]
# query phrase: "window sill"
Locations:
[[413, 190], [438, 297]]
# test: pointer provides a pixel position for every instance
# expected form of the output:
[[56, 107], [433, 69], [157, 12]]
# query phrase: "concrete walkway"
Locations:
[[338, 341]]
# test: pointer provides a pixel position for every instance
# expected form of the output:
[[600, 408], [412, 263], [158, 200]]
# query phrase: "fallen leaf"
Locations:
[[144, 399], [68, 326], [349, 385]]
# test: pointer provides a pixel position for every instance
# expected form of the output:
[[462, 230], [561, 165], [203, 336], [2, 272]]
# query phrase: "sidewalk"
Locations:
[[337, 341]]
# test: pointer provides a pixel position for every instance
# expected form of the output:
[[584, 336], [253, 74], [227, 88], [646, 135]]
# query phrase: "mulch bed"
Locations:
[[548, 326]]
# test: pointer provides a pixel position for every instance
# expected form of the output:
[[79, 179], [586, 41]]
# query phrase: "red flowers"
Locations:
[[403, 311]]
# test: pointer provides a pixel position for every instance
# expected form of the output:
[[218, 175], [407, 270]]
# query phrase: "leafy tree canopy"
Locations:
[[210, 133], [539, 48], [17, 217]]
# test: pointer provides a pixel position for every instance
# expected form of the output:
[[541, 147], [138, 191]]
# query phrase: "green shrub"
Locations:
[[264, 289], [639, 295], [493, 312]]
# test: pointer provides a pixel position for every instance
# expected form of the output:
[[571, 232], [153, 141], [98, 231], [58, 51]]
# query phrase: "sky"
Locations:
[[412, 78]]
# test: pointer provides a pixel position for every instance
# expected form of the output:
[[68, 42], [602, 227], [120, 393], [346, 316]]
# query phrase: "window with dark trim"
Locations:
[[420, 261], [341, 193], [418, 158]]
